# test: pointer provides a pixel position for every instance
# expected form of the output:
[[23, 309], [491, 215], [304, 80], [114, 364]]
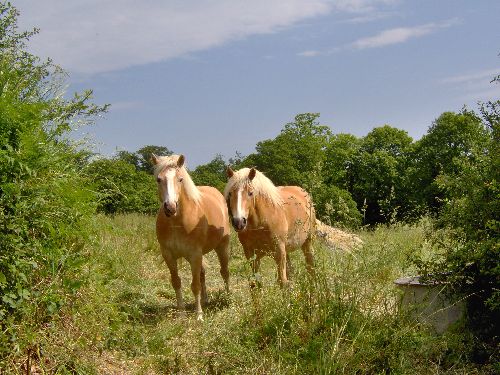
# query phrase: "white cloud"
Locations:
[[97, 36], [93, 36], [400, 35], [483, 75], [309, 53]]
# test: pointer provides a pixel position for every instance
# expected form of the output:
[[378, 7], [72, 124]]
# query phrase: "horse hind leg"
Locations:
[[196, 270], [289, 267], [280, 258], [223, 255]]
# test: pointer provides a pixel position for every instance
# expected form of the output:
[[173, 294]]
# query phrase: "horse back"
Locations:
[[299, 211]]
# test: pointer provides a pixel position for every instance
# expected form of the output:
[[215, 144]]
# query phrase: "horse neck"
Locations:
[[187, 206], [257, 214]]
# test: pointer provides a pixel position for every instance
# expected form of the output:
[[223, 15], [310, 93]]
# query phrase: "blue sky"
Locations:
[[217, 76]]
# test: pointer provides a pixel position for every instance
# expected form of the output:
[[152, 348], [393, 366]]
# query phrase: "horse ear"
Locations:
[[252, 174], [229, 172], [154, 159], [180, 161]]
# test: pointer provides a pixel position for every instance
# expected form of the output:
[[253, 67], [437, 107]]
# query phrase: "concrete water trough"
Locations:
[[429, 303]]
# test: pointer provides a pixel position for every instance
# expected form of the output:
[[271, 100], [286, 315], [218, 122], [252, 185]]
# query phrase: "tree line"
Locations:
[[381, 178]]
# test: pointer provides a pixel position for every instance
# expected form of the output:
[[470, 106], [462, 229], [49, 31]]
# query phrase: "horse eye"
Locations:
[[181, 179], [250, 193], [158, 179]]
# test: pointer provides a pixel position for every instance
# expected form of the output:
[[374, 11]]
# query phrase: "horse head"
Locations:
[[169, 179], [240, 199]]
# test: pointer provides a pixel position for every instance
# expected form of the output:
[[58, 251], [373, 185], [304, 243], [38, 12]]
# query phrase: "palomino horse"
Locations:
[[191, 222], [270, 220]]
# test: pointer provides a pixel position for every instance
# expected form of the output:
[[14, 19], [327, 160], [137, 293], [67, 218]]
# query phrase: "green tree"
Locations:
[[298, 150], [297, 156], [144, 156], [141, 159], [374, 171], [121, 188], [341, 156], [129, 157], [469, 215], [211, 174], [452, 139]]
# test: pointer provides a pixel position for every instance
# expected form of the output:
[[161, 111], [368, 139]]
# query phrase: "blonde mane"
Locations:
[[189, 187], [261, 185]]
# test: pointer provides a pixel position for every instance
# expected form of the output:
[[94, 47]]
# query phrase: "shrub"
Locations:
[[469, 217], [335, 206], [44, 203]]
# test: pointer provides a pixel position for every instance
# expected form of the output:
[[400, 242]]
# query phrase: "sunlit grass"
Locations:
[[345, 320]]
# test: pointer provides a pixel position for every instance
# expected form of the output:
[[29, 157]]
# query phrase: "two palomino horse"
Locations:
[[191, 221], [270, 220]]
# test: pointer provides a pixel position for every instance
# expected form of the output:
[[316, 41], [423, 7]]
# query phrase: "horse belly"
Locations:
[[258, 241]]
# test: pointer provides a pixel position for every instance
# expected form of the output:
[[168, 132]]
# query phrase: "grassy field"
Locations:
[[344, 321]]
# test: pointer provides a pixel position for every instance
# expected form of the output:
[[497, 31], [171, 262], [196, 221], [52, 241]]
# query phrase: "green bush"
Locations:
[[468, 226], [45, 206], [335, 206]]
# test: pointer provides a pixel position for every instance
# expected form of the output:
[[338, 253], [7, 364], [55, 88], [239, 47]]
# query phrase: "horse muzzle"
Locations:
[[170, 209], [239, 223]]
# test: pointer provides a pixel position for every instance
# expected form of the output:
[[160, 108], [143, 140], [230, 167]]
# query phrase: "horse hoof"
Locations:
[[199, 317]]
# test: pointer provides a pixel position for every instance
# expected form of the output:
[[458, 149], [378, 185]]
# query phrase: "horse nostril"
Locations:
[[244, 221]]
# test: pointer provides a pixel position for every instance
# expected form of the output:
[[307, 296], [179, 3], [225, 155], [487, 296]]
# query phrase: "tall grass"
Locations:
[[345, 320]]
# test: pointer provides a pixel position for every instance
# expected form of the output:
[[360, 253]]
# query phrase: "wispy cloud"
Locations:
[[91, 36], [94, 36], [473, 86], [384, 38], [483, 75], [369, 17], [400, 35], [309, 53]]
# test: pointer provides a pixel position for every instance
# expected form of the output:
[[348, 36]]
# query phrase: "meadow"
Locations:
[[346, 320]]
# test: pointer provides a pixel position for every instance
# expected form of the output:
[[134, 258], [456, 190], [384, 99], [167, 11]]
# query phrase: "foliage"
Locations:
[[470, 217], [379, 171], [335, 207], [141, 159], [297, 156], [211, 174], [45, 207], [289, 158], [453, 137], [121, 188]]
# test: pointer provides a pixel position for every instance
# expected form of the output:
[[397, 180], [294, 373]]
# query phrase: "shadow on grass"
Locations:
[[139, 306]]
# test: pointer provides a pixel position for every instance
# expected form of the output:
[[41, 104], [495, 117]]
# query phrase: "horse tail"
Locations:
[[335, 238]]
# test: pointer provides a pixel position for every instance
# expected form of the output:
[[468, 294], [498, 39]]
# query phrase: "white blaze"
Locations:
[[239, 214], [171, 195]]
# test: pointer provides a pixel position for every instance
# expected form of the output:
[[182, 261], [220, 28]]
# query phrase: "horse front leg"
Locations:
[[196, 262], [174, 279]]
